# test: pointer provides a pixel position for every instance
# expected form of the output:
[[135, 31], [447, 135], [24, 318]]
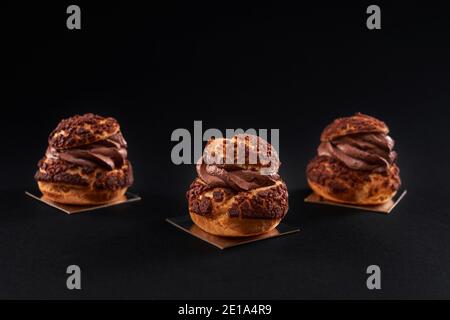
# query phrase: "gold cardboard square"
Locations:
[[71, 209], [382, 208], [185, 223]]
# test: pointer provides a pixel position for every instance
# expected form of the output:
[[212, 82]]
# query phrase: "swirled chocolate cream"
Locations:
[[234, 177], [361, 151], [86, 162]]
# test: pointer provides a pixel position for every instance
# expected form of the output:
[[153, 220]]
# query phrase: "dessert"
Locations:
[[86, 162], [355, 162], [235, 195]]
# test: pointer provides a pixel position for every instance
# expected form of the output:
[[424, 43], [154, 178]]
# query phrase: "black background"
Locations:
[[158, 68]]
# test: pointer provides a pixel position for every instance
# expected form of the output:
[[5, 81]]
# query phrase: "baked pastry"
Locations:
[[355, 162], [236, 193], [85, 162]]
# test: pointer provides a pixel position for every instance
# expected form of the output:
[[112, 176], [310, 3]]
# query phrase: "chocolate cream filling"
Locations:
[[110, 153], [361, 151], [234, 177]]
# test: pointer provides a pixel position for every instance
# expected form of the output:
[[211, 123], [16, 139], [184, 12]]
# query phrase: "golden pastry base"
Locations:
[[71, 209], [185, 223], [382, 208]]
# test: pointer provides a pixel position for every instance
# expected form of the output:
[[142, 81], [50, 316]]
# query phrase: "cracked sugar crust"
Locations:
[[269, 202], [81, 130], [336, 179], [60, 171], [358, 123]]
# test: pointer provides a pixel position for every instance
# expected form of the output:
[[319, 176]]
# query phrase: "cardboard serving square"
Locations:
[[71, 209], [382, 208], [185, 223]]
